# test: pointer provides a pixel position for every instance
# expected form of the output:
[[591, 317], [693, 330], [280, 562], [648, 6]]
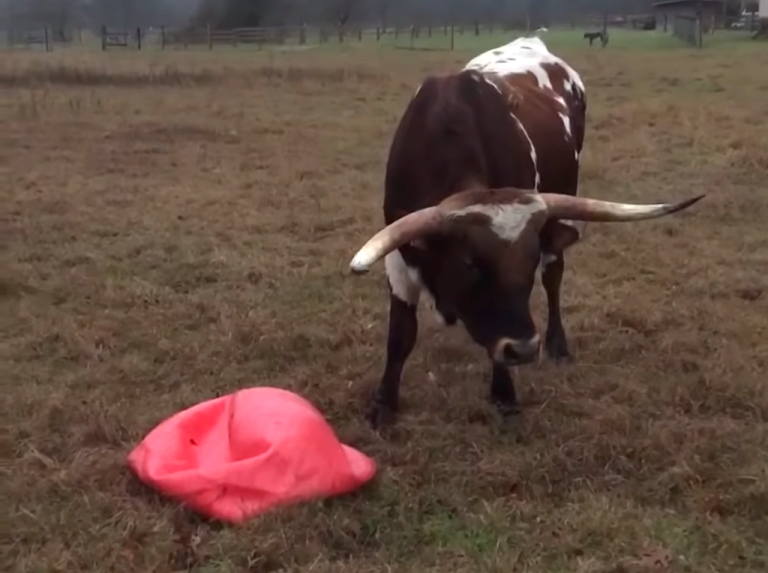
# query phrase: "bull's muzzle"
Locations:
[[515, 352]]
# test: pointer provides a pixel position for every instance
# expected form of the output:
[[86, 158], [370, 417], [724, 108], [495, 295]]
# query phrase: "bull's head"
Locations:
[[478, 252]]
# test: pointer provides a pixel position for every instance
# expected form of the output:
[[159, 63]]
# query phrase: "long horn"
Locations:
[[582, 209], [395, 235]]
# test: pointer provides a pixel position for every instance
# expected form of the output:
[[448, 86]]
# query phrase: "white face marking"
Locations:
[[405, 281], [522, 56], [566, 123], [534, 158], [508, 220]]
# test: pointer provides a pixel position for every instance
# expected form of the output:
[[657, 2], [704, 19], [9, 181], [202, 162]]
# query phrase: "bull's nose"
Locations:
[[514, 351]]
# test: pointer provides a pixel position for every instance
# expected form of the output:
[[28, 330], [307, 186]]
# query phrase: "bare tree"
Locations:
[[342, 10]]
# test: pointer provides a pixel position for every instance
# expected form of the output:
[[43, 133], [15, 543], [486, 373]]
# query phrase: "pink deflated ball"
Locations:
[[240, 455]]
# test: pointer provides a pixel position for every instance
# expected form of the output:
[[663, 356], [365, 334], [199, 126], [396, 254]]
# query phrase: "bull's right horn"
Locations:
[[583, 209]]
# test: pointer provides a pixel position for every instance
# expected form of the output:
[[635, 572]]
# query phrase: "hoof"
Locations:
[[380, 414], [557, 351], [505, 408]]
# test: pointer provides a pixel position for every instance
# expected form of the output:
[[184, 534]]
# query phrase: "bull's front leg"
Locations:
[[403, 328], [503, 394], [404, 297]]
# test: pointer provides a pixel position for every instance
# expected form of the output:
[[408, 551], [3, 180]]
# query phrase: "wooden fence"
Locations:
[[120, 38], [416, 37], [443, 36], [31, 39], [303, 35]]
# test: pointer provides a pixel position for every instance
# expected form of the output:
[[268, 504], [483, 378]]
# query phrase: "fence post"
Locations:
[[162, 37], [208, 35], [360, 34], [378, 34], [452, 36], [138, 37], [103, 37], [47, 40], [477, 27], [699, 39]]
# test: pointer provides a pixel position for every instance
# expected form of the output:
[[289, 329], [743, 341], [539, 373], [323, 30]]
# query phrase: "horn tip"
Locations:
[[359, 266], [688, 202]]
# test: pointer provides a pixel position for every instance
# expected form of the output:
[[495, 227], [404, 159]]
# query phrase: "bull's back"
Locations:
[[456, 133], [547, 97]]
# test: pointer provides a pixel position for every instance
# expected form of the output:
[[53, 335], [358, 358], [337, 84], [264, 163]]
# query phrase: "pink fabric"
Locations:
[[240, 455]]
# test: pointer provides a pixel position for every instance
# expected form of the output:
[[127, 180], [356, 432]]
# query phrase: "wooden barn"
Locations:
[[708, 12], [762, 13]]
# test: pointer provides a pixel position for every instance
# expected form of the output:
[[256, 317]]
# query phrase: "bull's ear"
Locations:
[[556, 236]]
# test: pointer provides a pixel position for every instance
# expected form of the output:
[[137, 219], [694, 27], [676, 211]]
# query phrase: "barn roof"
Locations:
[[673, 3]]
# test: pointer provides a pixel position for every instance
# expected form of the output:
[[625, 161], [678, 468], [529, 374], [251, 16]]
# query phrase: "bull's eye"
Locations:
[[474, 269]]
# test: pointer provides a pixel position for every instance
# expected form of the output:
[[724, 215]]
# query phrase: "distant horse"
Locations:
[[592, 36]]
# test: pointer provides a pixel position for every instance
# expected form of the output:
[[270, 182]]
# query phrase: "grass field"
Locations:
[[178, 225]]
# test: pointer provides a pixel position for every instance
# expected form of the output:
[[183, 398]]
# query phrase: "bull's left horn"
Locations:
[[583, 209], [395, 235]]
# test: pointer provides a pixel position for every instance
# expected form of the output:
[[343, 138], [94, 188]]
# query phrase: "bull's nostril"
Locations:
[[520, 351], [515, 352], [510, 353]]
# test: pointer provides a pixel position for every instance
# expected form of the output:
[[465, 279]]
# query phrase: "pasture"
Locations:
[[178, 224]]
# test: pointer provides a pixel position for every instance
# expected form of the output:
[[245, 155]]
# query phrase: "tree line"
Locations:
[[63, 15]]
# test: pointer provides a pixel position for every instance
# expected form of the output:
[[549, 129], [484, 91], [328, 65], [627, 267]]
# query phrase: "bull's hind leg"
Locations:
[[403, 329]]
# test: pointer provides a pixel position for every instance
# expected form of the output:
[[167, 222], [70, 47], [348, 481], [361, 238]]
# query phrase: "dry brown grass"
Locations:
[[178, 227]]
